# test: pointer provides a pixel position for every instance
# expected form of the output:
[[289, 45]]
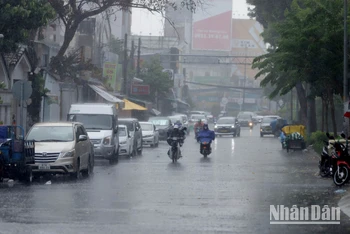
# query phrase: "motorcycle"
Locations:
[[341, 171], [329, 157], [174, 152], [205, 146]]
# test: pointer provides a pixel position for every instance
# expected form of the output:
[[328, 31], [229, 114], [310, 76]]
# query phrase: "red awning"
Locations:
[[347, 114]]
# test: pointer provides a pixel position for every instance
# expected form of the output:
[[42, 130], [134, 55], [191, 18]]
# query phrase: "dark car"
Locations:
[[227, 126], [163, 124], [245, 120], [136, 132]]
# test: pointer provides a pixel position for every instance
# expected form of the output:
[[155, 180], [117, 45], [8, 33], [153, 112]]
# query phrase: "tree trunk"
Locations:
[[68, 37], [331, 101], [326, 115], [323, 113], [303, 105], [313, 119]]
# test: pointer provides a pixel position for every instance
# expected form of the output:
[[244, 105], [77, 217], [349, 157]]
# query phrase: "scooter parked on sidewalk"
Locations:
[[328, 160], [341, 172]]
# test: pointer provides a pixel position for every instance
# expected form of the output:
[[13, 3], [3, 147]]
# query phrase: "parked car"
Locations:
[[126, 141], [101, 123], [136, 132], [163, 124], [150, 134], [62, 148], [227, 126]]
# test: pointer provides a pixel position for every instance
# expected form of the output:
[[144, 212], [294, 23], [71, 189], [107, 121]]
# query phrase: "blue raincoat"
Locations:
[[206, 136]]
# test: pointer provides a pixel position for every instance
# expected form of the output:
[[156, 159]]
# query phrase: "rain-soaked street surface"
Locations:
[[229, 192]]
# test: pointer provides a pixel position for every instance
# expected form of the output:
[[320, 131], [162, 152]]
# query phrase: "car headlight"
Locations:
[[148, 136], [122, 142], [215, 126], [68, 154], [107, 140], [233, 126]]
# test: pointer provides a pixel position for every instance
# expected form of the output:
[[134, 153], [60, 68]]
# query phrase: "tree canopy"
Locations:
[[153, 75], [19, 17]]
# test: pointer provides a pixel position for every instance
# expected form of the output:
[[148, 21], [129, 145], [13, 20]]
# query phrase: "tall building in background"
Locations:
[[179, 23], [121, 23]]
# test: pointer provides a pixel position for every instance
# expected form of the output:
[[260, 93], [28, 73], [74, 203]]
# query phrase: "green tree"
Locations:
[[308, 51], [268, 12], [19, 19], [153, 75]]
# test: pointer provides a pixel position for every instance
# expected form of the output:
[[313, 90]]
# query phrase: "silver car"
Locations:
[[62, 148]]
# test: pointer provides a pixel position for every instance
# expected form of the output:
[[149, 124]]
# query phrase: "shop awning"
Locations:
[[132, 106], [104, 94]]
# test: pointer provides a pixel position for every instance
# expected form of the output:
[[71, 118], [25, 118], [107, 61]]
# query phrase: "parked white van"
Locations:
[[101, 123]]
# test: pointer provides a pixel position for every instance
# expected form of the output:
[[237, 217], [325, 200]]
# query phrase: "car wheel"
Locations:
[[76, 175], [87, 171]]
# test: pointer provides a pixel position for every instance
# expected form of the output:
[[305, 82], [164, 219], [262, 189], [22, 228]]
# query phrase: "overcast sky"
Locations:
[[146, 23]]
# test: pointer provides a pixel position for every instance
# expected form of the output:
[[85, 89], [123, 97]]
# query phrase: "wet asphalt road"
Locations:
[[229, 192]]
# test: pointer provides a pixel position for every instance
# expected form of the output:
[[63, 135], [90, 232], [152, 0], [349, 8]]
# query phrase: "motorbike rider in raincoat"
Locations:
[[177, 131], [206, 135]]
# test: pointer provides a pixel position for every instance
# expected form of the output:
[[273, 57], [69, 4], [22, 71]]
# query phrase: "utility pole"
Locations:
[[345, 75], [125, 64], [245, 77], [138, 58], [291, 105], [308, 110]]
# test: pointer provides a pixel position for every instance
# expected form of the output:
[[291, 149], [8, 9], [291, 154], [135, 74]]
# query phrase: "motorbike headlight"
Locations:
[[107, 140], [68, 154], [215, 126], [232, 126], [250, 124]]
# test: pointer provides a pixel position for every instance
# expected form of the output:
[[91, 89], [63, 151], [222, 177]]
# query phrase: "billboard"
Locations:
[[140, 89], [110, 72], [212, 26]]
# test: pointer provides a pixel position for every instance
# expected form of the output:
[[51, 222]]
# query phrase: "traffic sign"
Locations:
[[224, 101], [140, 89], [20, 94]]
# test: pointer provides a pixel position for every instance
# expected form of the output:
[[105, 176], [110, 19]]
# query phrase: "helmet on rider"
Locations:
[[205, 127]]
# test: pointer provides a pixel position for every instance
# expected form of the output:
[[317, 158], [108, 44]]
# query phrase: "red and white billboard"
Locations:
[[212, 26]]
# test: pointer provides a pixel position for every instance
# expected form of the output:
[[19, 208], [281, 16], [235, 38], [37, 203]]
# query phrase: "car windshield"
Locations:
[[244, 116], [51, 134], [129, 124], [160, 122], [147, 127], [101, 122], [268, 120], [122, 131], [226, 121]]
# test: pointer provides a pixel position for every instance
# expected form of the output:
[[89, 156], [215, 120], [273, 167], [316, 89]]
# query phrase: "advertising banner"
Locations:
[[110, 71], [212, 26]]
